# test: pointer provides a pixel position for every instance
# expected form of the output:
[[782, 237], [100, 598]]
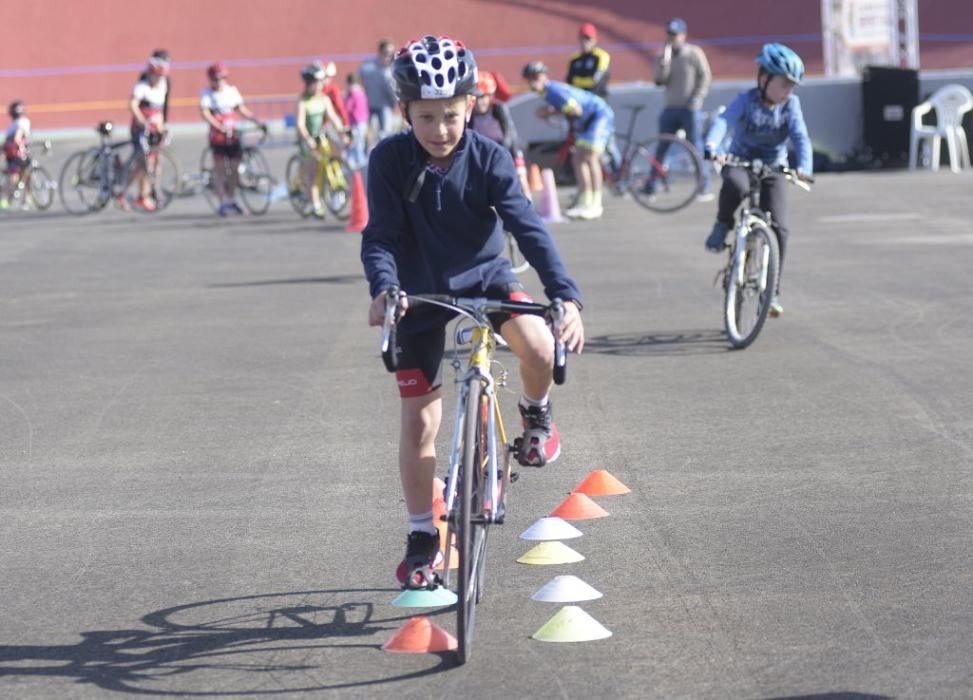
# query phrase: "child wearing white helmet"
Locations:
[[763, 121], [440, 197]]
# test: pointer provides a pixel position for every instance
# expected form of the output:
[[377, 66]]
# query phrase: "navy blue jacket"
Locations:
[[451, 239]]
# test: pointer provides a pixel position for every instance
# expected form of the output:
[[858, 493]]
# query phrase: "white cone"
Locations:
[[566, 589], [549, 208], [551, 528]]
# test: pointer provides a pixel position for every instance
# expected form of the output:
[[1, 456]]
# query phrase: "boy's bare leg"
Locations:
[[420, 418], [532, 342]]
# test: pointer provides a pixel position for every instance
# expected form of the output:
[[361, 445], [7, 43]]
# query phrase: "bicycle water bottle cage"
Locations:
[[104, 128]]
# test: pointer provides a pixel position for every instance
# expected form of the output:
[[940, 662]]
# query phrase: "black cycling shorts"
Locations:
[[420, 355], [233, 151]]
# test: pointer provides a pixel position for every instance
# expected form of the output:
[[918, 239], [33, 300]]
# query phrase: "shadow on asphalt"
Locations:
[[333, 279], [264, 644], [835, 696], [664, 343]]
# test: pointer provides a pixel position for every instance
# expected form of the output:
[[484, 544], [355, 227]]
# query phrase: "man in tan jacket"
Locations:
[[683, 70]]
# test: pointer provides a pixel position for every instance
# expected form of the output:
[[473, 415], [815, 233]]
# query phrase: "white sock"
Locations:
[[422, 522], [540, 403]]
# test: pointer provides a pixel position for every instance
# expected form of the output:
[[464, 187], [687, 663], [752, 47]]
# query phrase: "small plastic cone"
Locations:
[[534, 179], [578, 506], [549, 208], [571, 624], [420, 635], [550, 553], [551, 529], [436, 598], [566, 589], [359, 206], [601, 483], [453, 560]]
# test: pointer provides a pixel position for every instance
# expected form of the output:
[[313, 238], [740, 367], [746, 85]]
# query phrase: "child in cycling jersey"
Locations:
[[147, 106], [594, 124], [492, 119], [314, 111], [15, 148], [439, 198], [762, 120]]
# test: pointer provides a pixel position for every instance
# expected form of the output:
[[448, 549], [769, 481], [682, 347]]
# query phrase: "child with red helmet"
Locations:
[[15, 148]]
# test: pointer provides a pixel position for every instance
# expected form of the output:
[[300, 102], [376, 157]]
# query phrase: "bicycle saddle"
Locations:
[[104, 128]]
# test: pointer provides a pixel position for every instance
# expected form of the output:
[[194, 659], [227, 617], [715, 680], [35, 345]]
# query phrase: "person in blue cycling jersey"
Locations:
[[594, 123], [439, 199], [762, 121]]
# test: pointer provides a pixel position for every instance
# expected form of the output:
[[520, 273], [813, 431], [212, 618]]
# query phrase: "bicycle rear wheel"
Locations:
[[40, 188], [161, 176], [337, 188], [665, 173], [750, 285], [471, 528], [298, 196], [79, 185], [206, 181], [256, 182]]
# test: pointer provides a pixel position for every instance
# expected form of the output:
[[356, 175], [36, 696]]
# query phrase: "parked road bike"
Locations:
[[35, 188], [663, 173], [255, 184], [480, 471], [93, 177], [752, 270], [333, 178]]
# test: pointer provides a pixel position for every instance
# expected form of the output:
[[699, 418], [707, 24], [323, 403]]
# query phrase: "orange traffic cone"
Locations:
[[577, 506], [601, 483], [534, 178], [359, 206], [420, 636]]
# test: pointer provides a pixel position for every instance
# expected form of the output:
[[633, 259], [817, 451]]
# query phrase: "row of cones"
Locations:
[[571, 623]]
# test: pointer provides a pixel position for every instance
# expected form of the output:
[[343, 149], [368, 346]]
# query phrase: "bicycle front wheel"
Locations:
[[41, 188], [471, 527], [80, 185], [665, 173], [750, 284], [297, 194], [256, 182], [336, 192]]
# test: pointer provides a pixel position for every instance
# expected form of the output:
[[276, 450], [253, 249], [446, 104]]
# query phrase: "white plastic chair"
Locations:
[[950, 102]]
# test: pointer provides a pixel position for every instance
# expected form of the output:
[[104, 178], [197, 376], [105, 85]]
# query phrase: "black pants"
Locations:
[[773, 199]]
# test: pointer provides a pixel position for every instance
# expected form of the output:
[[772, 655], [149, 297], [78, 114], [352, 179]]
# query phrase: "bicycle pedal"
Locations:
[[514, 476]]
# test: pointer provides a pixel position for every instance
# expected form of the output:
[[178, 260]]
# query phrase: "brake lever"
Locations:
[[560, 353]]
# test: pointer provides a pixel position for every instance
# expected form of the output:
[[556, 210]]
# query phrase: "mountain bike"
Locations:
[[753, 266], [255, 184], [663, 173], [35, 188], [93, 177], [333, 178], [480, 457]]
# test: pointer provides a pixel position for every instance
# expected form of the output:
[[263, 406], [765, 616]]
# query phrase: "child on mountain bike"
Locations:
[[439, 199], [492, 119], [15, 148], [314, 111], [594, 124], [762, 120]]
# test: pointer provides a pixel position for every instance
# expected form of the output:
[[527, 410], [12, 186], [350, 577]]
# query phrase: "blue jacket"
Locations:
[[451, 239], [762, 132]]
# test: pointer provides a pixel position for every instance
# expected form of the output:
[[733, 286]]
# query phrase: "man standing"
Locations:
[[684, 72], [376, 78], [588, 68]]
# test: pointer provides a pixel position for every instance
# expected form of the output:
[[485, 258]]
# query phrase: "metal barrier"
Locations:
[[278, 112]]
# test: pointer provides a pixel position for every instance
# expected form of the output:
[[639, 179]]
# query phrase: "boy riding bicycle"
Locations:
[[439, 199], [763, 120]]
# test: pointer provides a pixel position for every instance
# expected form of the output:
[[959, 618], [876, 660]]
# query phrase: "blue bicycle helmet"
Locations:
[[778, 59]]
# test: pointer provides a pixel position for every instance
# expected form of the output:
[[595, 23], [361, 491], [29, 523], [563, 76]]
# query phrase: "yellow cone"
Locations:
[[571, 624], [547, 553]]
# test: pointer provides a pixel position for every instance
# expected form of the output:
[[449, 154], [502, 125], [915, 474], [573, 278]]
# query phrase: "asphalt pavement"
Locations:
[[200, 496]]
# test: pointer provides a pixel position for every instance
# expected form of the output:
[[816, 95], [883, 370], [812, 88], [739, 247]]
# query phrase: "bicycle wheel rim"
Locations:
[[296, 194], [471, 536], [749, 290], [165, 179], [256, 195], [79, 186], [337, 193], [665, 173], [41, 188]]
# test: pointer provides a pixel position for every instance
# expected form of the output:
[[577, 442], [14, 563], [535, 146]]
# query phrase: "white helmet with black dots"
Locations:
[[432, 68]]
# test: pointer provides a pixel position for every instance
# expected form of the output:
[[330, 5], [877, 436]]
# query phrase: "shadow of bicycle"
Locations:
[[265, 644], [659, 344]]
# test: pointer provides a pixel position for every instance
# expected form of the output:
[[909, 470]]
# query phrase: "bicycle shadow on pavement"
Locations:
[[331, 279], [263, 644], [659, 344], [840, 695]]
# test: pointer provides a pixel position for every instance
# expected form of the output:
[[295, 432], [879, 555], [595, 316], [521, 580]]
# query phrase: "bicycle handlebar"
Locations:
[[476, 309], [761, 170]]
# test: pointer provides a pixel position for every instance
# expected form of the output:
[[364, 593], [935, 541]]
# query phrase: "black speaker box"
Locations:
[[889, 96]]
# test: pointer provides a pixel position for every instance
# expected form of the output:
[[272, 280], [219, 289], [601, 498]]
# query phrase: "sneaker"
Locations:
[[121, 201], [716, 241], [145, 203], [4, 203], [540, 443], [234, 207], [574, 212], [705, 197], [422, 554], [776, 309], [592, 212], [318, 212], [224, 209]]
